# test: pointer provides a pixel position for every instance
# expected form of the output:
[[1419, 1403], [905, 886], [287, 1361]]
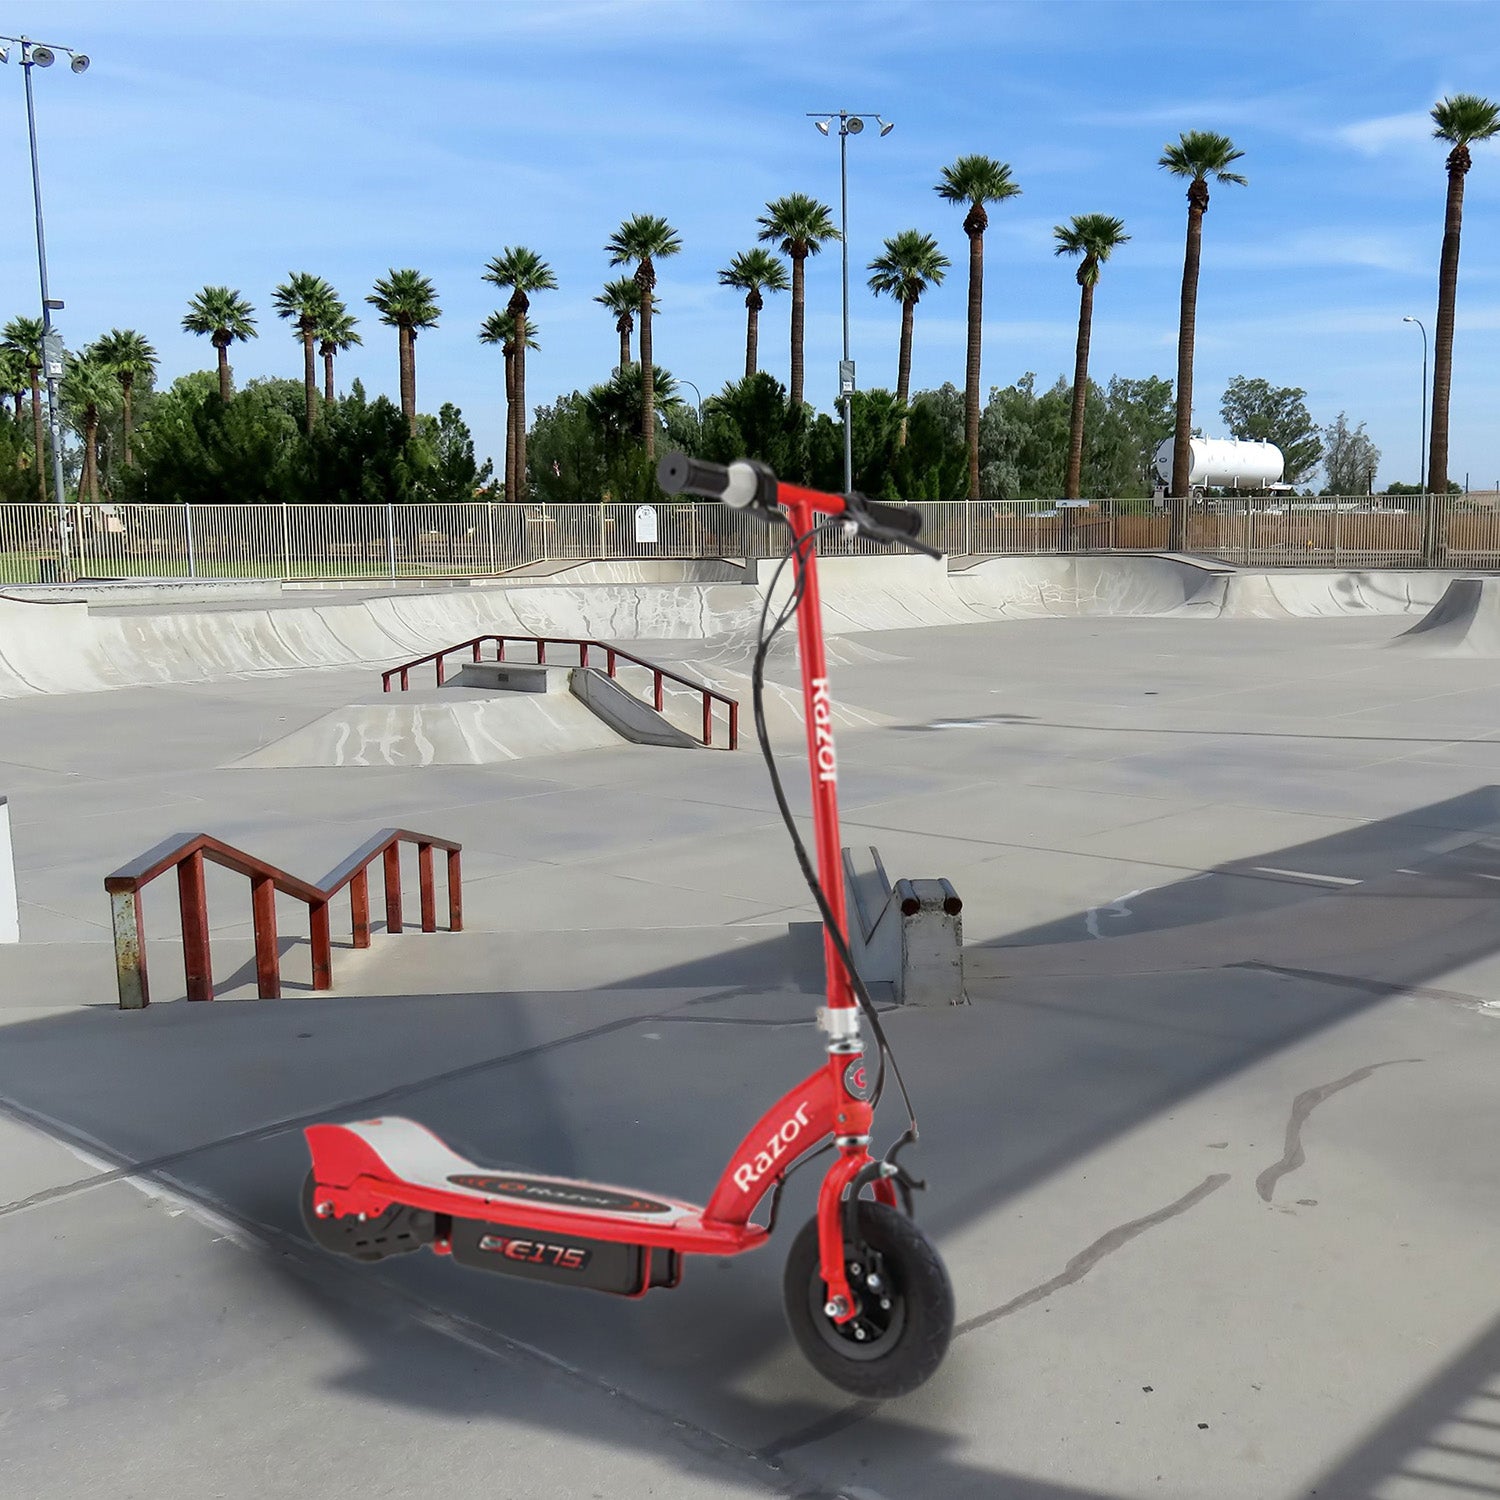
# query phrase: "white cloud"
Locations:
[[1387, 133]]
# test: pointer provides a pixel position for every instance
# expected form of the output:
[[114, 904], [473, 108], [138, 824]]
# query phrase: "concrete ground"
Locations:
[[1210, 1152]]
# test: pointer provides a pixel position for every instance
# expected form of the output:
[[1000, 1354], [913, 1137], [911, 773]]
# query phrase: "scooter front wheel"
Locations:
[[900, 1334]]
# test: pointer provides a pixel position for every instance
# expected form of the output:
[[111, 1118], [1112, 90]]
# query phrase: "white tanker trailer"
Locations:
[[1225, 464]]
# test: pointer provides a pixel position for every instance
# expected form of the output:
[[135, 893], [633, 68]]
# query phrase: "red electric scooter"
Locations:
[[866, 1294]]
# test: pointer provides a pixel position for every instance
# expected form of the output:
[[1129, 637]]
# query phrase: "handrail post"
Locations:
[[734, 724], [130, 949], [657, 677], [455, 892], [476, 647], [500, 649], [440, 677], [392, 862], [609, 660], [322, 945], [424, 880], [267, 956], [192, 898], [359, 907], [541, 651], [708, 720], [583, 653], [405, 679]]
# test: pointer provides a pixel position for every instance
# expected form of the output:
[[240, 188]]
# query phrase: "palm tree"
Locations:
[[975, 180], [644, 239], [1197, 155], [14, 378], [305, 300], [623, 298], [524, 272], [1461, 119], [911, 263], [500, 328], [224, 316], [131, 357], [23, 337], [88, 390], [1094, 237], [407, 302], [801, 226], [334, 333], [754, 272]]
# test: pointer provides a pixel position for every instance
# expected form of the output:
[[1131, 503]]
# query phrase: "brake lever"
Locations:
[[897, 539]]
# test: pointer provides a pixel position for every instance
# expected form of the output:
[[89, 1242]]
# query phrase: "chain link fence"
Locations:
[[490, 539]]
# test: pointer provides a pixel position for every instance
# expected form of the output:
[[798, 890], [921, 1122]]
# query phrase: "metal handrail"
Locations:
[[188, 853], [612, 656]]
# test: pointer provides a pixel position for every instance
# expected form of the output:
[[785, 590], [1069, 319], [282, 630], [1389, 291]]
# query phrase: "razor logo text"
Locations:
[[751, 1172], [822, 724]]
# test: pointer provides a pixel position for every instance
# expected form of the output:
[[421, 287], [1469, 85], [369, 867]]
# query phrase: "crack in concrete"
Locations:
[[1303, 1105]]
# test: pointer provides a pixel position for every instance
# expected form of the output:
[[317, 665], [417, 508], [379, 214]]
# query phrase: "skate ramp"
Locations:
[[1026, 587], [1310, 594], [482, 730], [1464, 622], [647, 570]]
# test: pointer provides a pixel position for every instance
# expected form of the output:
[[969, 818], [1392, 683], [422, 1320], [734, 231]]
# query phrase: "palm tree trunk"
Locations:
[[903, 359], [971, 365], [624, 343], [1187, 328], [90, 454], [648, 383], [510, 423], [127, 390], [1442, 349], [328, 374], [408, 351], [36, 428], [310, 376], [1073, 483], [224, 373], [752, 336], [518, 404], [799, 293]]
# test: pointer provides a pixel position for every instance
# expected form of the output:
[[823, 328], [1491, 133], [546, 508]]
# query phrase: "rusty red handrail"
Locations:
[[188, 853], [613, 655]]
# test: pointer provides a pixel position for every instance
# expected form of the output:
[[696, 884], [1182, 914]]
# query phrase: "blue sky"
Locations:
[[228, 142]]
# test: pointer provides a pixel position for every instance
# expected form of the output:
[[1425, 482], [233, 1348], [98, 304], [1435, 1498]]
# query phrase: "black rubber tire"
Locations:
[[917, 1327]]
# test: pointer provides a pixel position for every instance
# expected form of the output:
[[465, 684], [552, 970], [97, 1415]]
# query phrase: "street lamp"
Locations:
[[39, 55], [698, 394], [848, 124], [1423, 327]]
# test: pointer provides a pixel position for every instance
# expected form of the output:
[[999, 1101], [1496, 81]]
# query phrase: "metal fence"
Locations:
[[371, 542]]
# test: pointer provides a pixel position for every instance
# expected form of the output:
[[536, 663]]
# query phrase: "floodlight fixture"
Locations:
[[855, 125], [43, 57], [822, 126], [886, 126], [4, 54], [80, 63]]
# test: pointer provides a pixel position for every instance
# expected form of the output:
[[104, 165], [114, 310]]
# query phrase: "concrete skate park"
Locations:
[[1210, 1147]]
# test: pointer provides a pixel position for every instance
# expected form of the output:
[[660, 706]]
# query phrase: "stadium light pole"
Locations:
[[41, 55], [1423, 327], [849, 123]]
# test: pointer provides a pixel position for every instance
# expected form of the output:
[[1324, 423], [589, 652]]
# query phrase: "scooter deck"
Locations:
[[365, 1166]]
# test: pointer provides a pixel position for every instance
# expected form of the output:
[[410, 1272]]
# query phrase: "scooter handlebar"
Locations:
[[903, 519], [739, 485]]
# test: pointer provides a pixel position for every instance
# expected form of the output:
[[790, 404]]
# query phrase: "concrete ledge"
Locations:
[[625, 713], [512, 677]]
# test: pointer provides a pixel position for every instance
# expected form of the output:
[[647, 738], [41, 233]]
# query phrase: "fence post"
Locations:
[[390, 539], [489, 517], [187, 518], [286, 543]]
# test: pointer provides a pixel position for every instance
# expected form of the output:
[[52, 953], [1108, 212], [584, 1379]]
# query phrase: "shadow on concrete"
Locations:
[[631, 1085]]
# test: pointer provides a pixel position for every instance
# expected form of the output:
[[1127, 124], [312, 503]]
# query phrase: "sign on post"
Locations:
[[645, 524], [10, 906]]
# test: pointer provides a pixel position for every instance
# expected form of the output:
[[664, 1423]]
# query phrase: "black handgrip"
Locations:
[[903, 519], [678, 474]]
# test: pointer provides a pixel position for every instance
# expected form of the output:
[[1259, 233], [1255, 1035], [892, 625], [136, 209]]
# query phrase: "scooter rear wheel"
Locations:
[[900, 1334]]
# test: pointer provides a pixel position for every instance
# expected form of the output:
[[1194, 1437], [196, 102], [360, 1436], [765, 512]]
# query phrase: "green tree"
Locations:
[[1197, 155], [500, 328], [334, 333], [644, 239], [1350, 458], [1257, 411], [1094, 237], [755, 418], [910, 263], [88, 390], [450, 476], [524, 272], [407, 302], [801, 226], [130, 356], [754, 272], [14, 378], [23, 337], [975, 180], [622, 297], [1461, 120], [225, 318], [306, 301], [619, 405], [1145, 410], [568, 459]]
